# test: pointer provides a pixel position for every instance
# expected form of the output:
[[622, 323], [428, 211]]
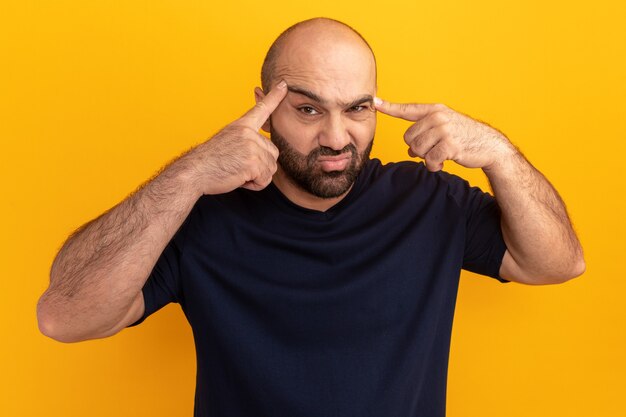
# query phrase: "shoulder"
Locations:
[[412, 180], [411, 173]]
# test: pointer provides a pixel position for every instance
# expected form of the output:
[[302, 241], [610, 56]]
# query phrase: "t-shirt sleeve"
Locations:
[[484, 243], [163, 284]]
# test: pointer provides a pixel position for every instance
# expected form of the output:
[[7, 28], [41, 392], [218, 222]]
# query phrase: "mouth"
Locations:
[[334, 163]]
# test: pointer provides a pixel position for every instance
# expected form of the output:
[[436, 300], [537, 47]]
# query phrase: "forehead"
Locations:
[[336, 66]]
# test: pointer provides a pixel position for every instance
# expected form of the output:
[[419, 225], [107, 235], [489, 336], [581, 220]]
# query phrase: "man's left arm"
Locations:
[[542, 247]]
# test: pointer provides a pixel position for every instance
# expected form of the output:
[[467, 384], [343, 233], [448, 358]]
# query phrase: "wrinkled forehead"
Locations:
[[336, 69]]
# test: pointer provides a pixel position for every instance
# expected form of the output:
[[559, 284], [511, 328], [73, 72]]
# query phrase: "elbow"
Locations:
[[563, 274], [578, 268], [49, 328], [553, 270], [575, 268], [64, 324], [50, 325]]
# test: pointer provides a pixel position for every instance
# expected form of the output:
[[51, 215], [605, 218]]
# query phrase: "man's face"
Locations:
[[324, 128]]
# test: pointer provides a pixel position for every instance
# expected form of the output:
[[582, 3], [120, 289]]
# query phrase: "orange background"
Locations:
[[96, 96]]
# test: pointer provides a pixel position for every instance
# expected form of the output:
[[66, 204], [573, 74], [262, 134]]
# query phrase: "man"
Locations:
[[317, 281]]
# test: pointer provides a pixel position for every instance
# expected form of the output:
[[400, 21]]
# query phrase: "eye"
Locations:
[[308, 110], [357, 109]]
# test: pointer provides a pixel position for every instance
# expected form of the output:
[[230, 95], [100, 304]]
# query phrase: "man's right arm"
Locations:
[[97, 277]]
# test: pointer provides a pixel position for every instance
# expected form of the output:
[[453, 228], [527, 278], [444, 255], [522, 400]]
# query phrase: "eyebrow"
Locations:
[[305, 92], [308, 93], [364, 99]]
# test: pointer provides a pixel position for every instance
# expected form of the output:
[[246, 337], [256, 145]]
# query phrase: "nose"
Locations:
[[334, 133]]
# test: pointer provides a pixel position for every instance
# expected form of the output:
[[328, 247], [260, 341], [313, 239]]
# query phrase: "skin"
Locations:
[[330, 100], [97, 276], [320, 98], [542, 247]]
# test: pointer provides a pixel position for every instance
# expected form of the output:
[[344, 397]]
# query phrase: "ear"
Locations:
[[258, 96]]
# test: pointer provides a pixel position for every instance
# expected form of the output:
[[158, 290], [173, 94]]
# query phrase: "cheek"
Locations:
[[363, 132], [301, 137]]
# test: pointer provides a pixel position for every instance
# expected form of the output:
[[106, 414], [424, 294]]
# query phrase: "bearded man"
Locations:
[[317, 281]]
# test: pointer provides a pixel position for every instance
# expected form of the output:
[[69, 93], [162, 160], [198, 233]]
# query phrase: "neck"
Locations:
[[302, 198]]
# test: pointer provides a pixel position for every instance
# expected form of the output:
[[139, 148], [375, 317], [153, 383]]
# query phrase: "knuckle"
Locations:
[[440, 117], [265, 182], [273, 150], [273, 166], [416, 150], [443, 131], [253, 170]]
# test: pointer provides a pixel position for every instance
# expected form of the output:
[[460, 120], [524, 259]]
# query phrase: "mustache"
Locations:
[[325, 151]]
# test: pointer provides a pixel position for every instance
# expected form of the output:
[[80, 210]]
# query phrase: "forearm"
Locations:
[[535, 224], [97, 277], [101, 269], [542, 246]]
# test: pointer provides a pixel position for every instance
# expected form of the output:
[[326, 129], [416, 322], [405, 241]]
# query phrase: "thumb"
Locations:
[[407, 111]]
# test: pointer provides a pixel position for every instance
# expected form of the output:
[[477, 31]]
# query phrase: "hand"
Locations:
[[440, 133], [238, 155]]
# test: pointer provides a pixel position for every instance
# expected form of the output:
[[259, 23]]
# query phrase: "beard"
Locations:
[[303, 170]]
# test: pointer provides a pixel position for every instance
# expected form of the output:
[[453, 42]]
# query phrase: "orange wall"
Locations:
[[95, 96]]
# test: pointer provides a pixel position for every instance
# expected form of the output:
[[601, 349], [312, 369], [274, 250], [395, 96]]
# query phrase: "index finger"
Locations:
[[407, 111], [259, 114]]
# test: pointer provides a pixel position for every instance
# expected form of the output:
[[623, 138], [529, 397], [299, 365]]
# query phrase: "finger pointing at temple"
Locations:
[[407, 111], [259, 114]]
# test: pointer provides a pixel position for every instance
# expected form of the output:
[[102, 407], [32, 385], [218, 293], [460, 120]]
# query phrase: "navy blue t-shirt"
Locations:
[[347, 312]]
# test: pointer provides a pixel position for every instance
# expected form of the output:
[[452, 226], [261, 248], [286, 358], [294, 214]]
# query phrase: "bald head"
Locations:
[[313, 40]]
